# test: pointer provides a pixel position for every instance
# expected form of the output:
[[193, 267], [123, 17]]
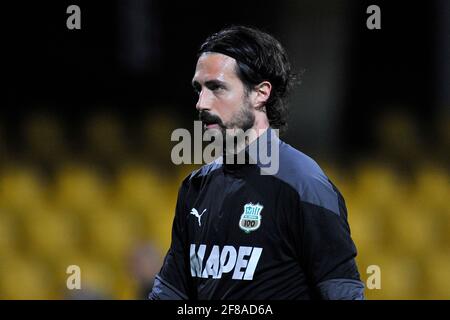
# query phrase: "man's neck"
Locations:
[[260, 126], [239, 142]]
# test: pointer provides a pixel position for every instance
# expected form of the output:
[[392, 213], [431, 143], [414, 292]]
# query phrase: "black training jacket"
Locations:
[[241, 234]]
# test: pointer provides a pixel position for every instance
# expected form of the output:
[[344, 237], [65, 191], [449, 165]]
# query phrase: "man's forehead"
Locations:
[[214, 65]]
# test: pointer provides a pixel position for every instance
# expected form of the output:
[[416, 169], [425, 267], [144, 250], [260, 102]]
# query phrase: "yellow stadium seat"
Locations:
[[432, 188], [143, 191], [79, 188], [25, 278], [49, 233], [162, 231], [437, 280], [412, 229], [125, 287], [378, 186], [97, 277], [110, 234], [9, 233], [400, 277], [21, 189]]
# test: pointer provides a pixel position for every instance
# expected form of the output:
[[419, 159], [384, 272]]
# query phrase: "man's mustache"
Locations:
[[208, 118]]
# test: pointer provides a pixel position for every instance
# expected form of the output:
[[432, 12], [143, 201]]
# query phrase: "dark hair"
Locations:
[[260, 57]]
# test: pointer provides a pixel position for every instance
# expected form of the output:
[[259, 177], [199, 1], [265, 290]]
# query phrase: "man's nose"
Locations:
[[202, 102]]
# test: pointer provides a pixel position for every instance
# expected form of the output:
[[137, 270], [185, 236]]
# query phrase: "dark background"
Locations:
[[134, 56]]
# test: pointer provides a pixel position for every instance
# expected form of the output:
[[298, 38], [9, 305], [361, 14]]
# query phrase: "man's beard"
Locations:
[[243, 119], [233, 130]]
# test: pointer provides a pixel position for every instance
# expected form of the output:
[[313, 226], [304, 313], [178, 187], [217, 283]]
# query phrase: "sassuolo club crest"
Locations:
[[251, 217]]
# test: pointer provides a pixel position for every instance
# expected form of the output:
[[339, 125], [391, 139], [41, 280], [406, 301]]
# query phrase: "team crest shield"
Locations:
[[251, 217]]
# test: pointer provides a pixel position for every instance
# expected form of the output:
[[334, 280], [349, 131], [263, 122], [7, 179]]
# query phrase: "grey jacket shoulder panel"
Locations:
[[307, 178]]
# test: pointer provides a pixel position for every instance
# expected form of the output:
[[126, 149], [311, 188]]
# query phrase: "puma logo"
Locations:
[[199, 216]]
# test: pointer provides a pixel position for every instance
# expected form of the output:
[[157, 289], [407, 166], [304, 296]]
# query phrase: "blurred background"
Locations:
[[85, 171]]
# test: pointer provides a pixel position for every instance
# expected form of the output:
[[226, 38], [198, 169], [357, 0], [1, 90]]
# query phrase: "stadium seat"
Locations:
[[378, 186], [437, 279], [25, 278], [400, 277], [144, 193], [79, 188], [19, 183], [9, 233], [50, 232], [432, 187], [110, 234], [412, 229], [98, 279]]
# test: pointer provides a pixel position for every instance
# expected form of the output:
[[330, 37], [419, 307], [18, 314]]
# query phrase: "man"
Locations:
[[239, 233]]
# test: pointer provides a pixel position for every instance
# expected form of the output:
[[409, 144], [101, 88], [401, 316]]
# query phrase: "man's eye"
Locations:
[[215, 88]]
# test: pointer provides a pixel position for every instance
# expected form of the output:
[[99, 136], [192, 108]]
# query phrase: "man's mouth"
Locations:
[[212, 126], [210, 121]]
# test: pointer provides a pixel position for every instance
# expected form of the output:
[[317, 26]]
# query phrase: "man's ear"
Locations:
[[262, 91]]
